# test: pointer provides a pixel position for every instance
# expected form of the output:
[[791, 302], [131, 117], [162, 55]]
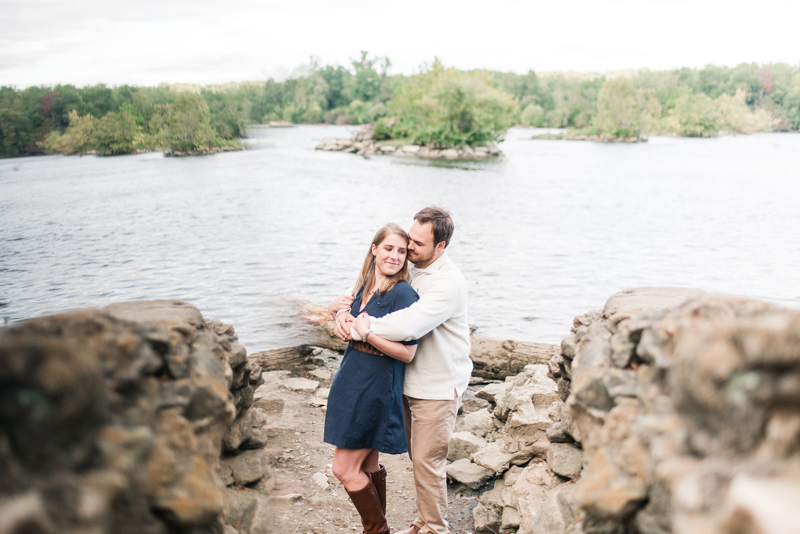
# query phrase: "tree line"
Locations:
[[436, 106]]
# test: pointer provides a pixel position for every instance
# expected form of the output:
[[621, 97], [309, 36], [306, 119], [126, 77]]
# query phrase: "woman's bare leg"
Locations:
[[370, 464], [348, 467]]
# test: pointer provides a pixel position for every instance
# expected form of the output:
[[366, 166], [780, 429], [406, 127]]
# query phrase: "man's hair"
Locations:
[[442, 223]]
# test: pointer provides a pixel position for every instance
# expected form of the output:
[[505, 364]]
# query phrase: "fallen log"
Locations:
[[492, 358]]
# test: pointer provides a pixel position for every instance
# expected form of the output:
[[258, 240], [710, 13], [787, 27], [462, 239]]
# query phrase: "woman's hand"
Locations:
[[342, 302], [361, 324]]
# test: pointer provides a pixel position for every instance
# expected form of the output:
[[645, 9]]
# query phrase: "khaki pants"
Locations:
[[429, 424]]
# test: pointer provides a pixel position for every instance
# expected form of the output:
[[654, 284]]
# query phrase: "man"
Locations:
[[437, 377]]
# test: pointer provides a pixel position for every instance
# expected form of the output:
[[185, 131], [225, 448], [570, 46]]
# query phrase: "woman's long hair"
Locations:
[[367, 277]]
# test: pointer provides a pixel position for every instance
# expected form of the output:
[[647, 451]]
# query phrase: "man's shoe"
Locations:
[[379, 481], [410, 530]]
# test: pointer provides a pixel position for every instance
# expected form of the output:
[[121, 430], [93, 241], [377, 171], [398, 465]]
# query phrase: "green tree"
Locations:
[[185, 126], [79, 138], [445, 107], [624, 112], [691, 115], [119, 133]]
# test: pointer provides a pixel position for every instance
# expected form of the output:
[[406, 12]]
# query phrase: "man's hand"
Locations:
[[342, 302], [342, 327], [361, 324]]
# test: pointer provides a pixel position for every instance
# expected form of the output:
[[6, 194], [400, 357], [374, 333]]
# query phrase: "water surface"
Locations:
[[549, 231]]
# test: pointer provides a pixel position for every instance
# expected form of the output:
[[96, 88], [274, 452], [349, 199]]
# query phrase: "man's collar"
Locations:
[[435, 266]]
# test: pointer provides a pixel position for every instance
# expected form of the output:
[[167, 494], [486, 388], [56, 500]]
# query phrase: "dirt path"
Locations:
[[305, 504]]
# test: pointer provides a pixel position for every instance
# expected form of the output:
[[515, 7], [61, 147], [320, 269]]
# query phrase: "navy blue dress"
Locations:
[[365, 404]]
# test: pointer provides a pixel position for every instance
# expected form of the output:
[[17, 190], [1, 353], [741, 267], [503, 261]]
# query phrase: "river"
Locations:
[[547, 232]]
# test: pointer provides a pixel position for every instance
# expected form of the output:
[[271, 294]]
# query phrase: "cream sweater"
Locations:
[[441, 366]]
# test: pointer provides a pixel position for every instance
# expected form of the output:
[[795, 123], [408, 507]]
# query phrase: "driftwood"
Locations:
[[493, 358]]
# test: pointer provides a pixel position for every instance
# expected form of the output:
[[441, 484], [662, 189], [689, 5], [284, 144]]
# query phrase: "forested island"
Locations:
[[437, 107]]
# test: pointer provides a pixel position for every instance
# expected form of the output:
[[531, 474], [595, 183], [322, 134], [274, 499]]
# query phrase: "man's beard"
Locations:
[[420, 259]]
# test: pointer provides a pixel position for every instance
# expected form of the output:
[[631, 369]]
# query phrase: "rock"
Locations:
[[239, 508], [248, 466], [493, 150], [470, 403], [450, 153], [462, 445], [303, 385], [627, 303], [479, 423], [240, 431], [411, 149], [469, 474], [764, 504], [322, 374], [322, 393], [555, 516], [493, 457], [388, 149], [564, 460], [493, 391], [24, 513], [529, 492], [510, 519], [321, 480], [265, 521], [487, 518]]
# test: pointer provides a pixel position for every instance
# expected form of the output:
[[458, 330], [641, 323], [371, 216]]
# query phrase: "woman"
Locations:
[[365, 404]]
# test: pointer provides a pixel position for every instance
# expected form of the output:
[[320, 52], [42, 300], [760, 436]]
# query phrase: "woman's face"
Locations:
[[390, 254]]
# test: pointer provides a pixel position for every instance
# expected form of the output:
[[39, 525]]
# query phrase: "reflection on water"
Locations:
[[543, 234]]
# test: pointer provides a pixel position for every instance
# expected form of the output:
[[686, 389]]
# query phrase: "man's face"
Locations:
[[421, 249]]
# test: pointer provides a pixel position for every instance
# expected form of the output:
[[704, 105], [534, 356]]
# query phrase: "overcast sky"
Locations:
[[147, 42]]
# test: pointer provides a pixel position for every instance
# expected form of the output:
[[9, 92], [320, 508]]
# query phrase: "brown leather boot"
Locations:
[[379, 481], [368, 505]]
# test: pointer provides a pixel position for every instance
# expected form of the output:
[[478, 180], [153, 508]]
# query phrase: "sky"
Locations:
[[147, 42]]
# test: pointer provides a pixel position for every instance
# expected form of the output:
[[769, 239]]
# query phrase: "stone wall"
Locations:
[[115, 420], [687, 408], [668, 411]]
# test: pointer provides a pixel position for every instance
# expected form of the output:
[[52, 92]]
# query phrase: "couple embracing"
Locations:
[[404, 372]]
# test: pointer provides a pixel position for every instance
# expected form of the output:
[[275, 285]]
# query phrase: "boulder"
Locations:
[[469, 474], [529, 492], [564, 459], [555, 516], [248, 466], [479, 423], [462, 445], [487, 518], [493, 457], [493, 391], [240, 431]]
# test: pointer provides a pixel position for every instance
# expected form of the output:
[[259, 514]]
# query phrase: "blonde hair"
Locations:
[[367, 276]]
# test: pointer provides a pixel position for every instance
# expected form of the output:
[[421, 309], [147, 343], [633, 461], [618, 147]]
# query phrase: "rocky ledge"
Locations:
[[362, 144]]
